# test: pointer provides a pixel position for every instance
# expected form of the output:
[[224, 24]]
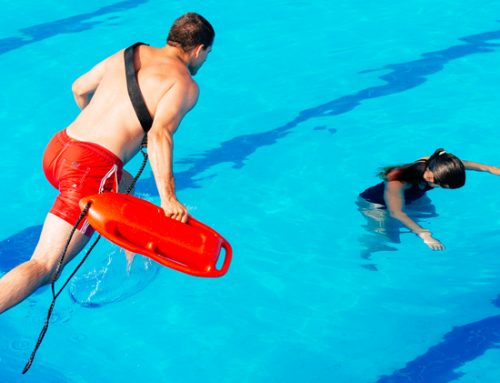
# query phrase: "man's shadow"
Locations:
[[18, 248]]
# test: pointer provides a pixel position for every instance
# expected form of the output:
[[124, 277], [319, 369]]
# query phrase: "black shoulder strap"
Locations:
[[134, 91]]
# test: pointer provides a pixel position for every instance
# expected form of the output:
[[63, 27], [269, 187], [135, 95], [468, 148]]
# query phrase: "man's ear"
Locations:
[[198, 50]]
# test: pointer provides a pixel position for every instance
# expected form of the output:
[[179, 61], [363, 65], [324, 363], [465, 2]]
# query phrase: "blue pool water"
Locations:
[[301, 102]]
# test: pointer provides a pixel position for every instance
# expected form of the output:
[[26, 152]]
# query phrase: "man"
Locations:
[[88, 156]]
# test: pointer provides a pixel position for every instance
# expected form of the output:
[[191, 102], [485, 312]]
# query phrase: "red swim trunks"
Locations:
[[78, 169]]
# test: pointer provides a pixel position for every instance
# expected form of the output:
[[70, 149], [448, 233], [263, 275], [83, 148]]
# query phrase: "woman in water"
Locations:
[[405, 184]]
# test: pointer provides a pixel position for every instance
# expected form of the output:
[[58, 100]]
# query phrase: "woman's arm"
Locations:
[[481, 167], [394, 199]]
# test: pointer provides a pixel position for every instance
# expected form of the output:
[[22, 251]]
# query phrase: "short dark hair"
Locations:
[[189, 31]]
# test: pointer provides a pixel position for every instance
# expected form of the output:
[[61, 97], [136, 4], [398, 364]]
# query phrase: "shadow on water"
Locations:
[[73, 24], [18, 248], [459, 346]]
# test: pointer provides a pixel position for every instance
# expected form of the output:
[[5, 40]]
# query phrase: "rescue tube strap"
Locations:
[[134, 91]]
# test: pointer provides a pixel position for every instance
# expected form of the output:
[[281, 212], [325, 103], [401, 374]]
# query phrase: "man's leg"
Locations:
[[124, 184], [23, 280]]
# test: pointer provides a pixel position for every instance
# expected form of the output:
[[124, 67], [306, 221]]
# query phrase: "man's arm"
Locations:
[[85, 85], [173, 106]]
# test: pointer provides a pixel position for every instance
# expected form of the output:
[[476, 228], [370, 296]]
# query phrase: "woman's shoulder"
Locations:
[[398, 184]]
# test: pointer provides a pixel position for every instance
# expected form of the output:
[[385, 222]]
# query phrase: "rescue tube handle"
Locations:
[[227, 257], [224, 245]]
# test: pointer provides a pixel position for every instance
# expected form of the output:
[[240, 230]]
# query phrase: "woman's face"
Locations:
[[428, 176]]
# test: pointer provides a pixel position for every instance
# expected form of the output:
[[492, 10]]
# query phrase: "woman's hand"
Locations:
[[494, 170], [431, 242]]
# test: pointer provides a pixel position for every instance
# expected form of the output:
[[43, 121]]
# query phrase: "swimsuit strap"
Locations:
[[134, 91]]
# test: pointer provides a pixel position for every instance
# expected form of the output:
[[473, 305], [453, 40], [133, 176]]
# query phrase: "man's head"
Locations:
[[194, 35]]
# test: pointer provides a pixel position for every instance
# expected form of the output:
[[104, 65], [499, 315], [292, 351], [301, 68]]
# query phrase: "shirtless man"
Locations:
[[88, 156]]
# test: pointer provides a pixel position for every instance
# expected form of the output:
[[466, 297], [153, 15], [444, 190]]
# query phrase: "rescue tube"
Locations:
[[142, 227]]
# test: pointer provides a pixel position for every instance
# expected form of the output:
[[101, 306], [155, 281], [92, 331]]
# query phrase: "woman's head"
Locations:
[[445, 170], [442, 169]]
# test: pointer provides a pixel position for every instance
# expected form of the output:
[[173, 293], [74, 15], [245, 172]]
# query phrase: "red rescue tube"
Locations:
[[142, 227]]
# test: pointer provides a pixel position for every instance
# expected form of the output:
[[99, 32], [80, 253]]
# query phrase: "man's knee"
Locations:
[[45, 269]]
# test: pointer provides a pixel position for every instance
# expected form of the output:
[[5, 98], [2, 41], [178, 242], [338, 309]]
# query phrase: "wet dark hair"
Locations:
[[189, 31], [447, 169]]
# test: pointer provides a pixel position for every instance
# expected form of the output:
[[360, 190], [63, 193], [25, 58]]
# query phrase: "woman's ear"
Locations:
[[428, 176]]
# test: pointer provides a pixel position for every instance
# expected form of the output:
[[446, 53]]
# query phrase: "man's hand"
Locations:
[[174, 209]]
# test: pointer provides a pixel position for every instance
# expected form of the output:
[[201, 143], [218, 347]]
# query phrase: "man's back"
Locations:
[[109, 119]]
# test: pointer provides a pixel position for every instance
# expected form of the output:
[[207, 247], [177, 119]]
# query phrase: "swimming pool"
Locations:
[[300, 103]]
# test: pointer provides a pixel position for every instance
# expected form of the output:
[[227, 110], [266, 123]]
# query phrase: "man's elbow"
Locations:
[[160, 135], [77, 89]]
